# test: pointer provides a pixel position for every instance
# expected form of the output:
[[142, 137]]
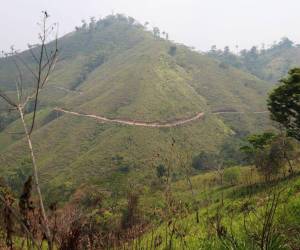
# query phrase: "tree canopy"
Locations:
[[284, 103]]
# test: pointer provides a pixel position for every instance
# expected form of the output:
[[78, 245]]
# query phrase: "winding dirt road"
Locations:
[[144, 124], [239, 112], [135, 123], [151, 124]]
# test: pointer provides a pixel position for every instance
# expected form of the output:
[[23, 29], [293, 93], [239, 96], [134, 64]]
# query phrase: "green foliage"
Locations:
[[284, 103], [60, 192], [268, 64], [258, 141], [269, 152], [16, 178], [6, 118], [232, 175], [230, 151], [205, 161], [161, 171], [118, 70], [172, 50]]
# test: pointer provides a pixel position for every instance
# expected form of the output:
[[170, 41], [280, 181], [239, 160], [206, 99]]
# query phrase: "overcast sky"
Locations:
[[198, 23]]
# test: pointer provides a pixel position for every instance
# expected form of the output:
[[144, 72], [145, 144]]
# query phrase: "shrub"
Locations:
[[172, 50], [161, 171], [205, 161], [232, 175], [124, 169]]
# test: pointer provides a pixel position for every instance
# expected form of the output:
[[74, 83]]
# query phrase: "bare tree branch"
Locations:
[[7, 99], [45, 66]]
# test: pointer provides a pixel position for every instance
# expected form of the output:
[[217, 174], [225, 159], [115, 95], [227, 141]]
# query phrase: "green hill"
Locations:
[[269, 64], [117, 69]]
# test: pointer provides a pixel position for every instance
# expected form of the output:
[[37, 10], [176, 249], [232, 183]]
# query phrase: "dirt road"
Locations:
[[135, 123], [150, 124]]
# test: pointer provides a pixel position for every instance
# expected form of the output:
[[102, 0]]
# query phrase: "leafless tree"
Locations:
[[44, 57]]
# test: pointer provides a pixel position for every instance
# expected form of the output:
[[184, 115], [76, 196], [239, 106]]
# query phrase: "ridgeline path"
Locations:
[[150, 124]]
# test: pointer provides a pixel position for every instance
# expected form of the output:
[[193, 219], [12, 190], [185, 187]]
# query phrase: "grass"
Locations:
[[182, 231], [138, 80]]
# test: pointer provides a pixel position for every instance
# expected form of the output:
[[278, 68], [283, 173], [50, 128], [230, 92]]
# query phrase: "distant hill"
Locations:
[[267, 64], [117, 69]]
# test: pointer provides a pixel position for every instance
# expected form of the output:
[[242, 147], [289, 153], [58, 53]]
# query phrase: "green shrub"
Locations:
[[161, 171], [204, 161], [232, 175], [172, 50]]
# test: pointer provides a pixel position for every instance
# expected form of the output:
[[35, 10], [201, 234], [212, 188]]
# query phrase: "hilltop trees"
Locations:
[[260, 60], [156, 32], [96, 24]]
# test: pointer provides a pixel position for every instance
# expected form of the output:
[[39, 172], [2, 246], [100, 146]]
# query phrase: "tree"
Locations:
[[92, 24], [284, 104], [265, 151], [146, 25], [204, 161], [226, 50], [156, 32], [213, 49], [45, 58], [285, 43], [84, 24], [210, 161], [258, 141], [131, 20]]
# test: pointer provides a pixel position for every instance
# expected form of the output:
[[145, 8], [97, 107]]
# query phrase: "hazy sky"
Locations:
[[198, 23]]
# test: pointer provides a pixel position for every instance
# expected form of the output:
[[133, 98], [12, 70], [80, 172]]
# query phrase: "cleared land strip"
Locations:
[[135, 123], [151, 124], [239, 112]]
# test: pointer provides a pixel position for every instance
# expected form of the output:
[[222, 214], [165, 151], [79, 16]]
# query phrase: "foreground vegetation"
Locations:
[[244, 212]]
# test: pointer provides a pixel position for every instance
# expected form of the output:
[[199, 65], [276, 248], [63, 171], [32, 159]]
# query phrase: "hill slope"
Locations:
[[270, 64], [116, 69]]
